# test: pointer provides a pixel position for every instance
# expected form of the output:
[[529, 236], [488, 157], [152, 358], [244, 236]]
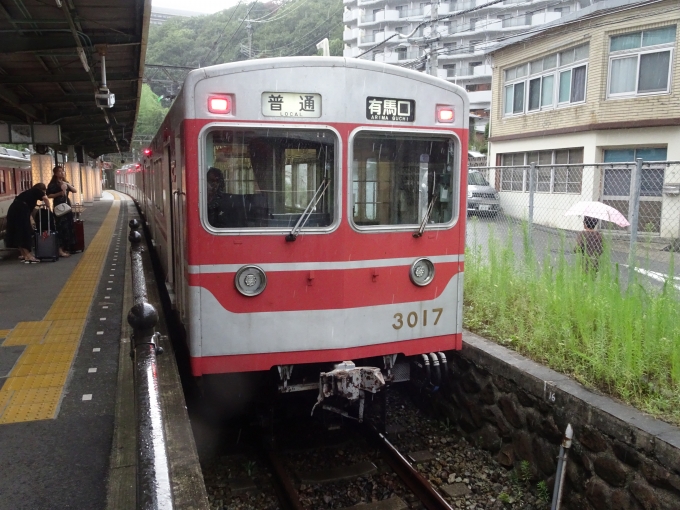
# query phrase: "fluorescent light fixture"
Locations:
[[83, 59]]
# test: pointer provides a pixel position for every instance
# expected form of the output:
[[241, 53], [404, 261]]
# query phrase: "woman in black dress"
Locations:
[[58, 190], [19, 229]]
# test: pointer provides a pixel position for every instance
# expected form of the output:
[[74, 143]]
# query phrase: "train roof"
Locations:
[[183, 104], [313, 61], [14, 158]]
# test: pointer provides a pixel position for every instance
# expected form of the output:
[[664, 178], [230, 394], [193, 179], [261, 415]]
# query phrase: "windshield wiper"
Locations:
[[426, 218], [306, 214]]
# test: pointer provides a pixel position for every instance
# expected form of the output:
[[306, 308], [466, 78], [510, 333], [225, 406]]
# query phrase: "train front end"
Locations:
[[325, 220]]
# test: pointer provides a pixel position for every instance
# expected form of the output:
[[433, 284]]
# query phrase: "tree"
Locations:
[[151, 113]]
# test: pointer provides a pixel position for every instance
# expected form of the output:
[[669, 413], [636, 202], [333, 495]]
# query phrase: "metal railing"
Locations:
[[153, 472], [645, 193]]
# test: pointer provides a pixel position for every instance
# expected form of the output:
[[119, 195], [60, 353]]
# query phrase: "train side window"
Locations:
[[396, 177], [266, 178], [3, 188]]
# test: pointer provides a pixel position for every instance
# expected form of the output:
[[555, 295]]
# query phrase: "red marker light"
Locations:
[[445, 114], [219, 104], [148, 152]]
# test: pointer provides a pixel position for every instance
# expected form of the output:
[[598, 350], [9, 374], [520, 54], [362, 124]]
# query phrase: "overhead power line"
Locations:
[[253, 4], [284, 14]]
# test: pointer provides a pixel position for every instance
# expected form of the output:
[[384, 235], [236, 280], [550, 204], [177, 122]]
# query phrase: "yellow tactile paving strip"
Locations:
[[34, 387]]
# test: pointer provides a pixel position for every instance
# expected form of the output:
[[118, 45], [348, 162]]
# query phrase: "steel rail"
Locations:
[[423, 490], [288, 495], [154, 491]]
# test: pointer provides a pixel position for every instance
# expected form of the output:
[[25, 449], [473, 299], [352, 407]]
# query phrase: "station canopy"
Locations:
[[51, 54]]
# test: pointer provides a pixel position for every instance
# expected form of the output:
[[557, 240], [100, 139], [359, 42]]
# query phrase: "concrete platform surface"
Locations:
[[59, 346], [67, 423]]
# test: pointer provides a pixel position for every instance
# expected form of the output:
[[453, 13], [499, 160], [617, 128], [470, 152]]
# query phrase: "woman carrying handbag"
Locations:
[[58, 190]]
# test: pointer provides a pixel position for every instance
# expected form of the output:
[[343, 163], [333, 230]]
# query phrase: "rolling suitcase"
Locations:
[[46, 220], [80, 235], [46, 241]]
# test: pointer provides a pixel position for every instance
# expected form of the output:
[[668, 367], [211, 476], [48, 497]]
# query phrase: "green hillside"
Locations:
[[278, 28]]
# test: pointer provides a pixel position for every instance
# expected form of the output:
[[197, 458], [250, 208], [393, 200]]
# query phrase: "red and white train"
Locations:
[[15, 177], [309, 211]]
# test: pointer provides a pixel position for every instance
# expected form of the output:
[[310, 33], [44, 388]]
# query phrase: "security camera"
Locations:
[[104, 98]]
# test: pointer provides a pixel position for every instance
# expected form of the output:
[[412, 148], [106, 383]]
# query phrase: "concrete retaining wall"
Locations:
[[518, 410]]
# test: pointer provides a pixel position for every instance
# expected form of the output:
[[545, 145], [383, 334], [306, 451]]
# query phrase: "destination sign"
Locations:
[[390, 109], [288, 104]]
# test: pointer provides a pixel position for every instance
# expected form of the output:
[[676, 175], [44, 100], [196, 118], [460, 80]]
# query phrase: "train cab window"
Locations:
[[269, 178], [401, 179]]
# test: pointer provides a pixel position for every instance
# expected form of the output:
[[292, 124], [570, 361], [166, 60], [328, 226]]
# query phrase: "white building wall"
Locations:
[[549, 208]]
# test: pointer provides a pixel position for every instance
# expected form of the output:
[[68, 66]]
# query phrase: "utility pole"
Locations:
[[249, 29], [434, 8]]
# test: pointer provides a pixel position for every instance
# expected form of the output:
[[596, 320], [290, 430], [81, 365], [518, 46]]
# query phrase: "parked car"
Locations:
[[482, 199]]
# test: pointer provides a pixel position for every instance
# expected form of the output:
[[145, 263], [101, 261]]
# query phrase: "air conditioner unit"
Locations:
[[104, 98]]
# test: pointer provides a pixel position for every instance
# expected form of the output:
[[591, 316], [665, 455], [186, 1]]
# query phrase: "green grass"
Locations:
[[623, 341]]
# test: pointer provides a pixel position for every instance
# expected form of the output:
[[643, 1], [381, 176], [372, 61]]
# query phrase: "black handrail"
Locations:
[[153, 473]]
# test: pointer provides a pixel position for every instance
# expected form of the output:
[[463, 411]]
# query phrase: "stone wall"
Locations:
[[518, 410]]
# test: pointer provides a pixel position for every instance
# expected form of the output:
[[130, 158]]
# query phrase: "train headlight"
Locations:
[[422, 272], [445, 114], [219, 104], [250, 281]]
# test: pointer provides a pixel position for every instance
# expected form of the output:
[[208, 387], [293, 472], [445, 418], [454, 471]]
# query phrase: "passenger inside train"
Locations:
[[267, 178]]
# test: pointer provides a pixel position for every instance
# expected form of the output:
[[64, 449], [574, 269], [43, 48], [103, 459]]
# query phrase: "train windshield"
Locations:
[[266, 178], [402, 179]]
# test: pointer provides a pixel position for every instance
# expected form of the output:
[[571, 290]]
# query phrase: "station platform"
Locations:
[[66, 401]]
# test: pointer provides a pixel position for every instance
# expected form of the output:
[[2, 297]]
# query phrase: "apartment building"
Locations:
[[460, 38], [160, 15], [590, 95]]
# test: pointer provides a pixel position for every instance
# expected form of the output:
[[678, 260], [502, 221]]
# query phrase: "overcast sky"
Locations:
[[208, 6]]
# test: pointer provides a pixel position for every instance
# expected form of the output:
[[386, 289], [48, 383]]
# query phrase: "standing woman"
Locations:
[[58, 190], [19, 229]]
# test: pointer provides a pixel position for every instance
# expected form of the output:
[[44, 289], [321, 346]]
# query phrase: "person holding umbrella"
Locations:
[[589, 244]]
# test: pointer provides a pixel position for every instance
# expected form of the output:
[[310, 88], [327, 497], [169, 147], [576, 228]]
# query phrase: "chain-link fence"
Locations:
[[544, 206]]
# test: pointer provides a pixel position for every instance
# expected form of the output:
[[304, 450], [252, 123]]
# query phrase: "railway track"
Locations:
[[317, 464], [377, 457]]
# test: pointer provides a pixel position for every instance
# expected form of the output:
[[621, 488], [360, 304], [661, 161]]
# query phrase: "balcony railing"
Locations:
[[465, 71], [349, 16], [408, 55], [515, 22], [350, 35], [407, 13]]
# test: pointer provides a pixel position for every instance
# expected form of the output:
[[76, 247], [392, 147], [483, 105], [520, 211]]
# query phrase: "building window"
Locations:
[[558, 171], [450, 70], [616, 189], [555, 80], [640, 62]]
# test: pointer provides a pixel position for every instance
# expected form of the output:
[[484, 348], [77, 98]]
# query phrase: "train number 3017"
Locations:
[[412, 318]]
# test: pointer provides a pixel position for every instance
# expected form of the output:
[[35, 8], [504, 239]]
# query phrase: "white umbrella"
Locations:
[[598, 210]]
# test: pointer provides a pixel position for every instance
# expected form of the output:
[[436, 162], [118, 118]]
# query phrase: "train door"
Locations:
[[166, 185], [177, 205]]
